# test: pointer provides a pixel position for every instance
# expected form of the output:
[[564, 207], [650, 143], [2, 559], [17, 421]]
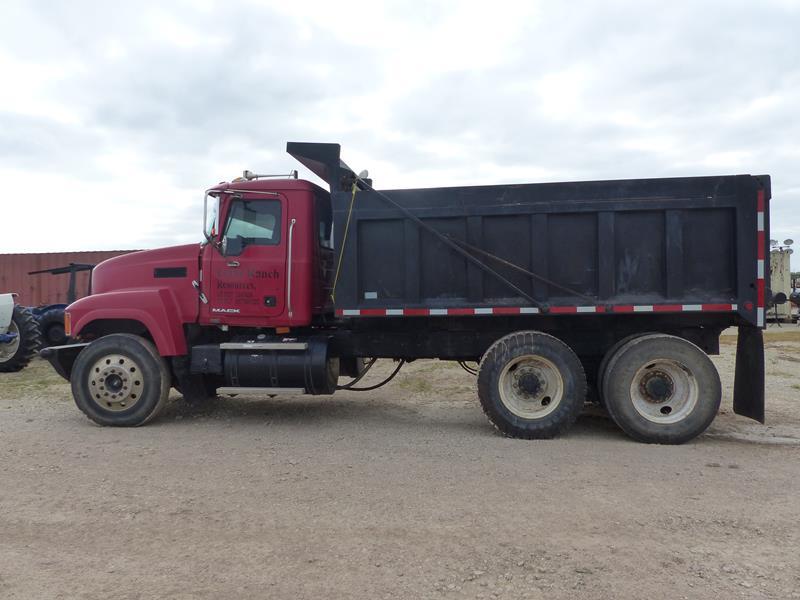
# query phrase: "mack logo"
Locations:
[[225, 310]]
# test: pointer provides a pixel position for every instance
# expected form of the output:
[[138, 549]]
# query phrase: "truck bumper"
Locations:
[[748, 386], [62, 357]]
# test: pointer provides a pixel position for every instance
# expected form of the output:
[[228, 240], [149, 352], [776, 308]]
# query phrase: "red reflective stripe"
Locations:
[[506, 310], [667, 307], [716, 307], [560, 310], [625, 308], [373, 312], [416, 312], [460, 311], [760, 201], [760, 293], [600, 309], [339, 312]]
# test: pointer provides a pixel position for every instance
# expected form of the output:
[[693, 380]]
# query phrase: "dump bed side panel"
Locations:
[[610, 246]]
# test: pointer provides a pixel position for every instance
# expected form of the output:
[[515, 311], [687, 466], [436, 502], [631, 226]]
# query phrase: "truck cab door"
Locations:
[[245, 280]]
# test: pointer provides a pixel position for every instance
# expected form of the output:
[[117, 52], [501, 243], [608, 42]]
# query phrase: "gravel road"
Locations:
[[405, 492]]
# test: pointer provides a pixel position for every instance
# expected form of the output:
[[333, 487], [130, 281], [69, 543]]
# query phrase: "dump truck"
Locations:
[[548, 293]]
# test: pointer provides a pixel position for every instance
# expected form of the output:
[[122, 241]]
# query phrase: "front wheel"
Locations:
[[120, 380], [662, 389], [531, 385]]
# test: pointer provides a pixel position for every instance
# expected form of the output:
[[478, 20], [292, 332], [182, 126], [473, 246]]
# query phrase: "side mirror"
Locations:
[[232, 246]]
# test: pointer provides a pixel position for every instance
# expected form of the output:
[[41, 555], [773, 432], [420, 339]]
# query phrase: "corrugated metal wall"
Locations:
[[36, 290]]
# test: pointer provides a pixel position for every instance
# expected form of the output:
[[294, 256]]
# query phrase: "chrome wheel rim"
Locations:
[[531, 387], [7, 351], [664, 391], [116, 382]]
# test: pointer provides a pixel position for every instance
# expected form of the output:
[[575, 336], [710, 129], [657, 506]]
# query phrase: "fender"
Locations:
[[155, 308]]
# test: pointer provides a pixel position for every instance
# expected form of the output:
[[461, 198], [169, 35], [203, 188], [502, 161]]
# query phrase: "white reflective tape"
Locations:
[[643, 308], [760, 269], [350, 312], [438, 312], [734, 307], [761, 221], [760, 317], [528, 310], [586, 309], [394, 312], [484, 311], [692, 307]]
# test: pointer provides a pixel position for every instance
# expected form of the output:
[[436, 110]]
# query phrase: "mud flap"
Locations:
[[748, 386]]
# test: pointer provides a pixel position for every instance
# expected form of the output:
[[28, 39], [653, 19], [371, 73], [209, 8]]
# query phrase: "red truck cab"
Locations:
[[265, 263]]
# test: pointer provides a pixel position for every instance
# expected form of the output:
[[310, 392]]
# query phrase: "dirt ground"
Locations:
[[405, 492]]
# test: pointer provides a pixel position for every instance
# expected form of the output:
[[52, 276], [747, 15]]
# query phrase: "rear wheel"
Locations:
[[120, 380], [16, 354], [531, 385], [662, 389]]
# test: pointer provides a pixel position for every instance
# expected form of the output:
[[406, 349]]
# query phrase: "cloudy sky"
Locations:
[[115, 116]]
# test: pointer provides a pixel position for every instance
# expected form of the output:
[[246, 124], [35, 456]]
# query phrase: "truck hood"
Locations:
[[165, 267]]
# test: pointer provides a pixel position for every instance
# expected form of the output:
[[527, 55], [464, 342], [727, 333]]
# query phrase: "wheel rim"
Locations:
[[7, 351], [531, 387], [664, 391], [116, 382]]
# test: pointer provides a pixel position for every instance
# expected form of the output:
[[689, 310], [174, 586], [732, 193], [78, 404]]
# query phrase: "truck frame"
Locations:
[[615, 289]]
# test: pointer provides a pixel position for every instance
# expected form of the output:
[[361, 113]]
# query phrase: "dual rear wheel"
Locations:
[[657, 388]]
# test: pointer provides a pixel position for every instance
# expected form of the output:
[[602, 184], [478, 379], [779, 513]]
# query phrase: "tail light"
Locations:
[[68, 324]]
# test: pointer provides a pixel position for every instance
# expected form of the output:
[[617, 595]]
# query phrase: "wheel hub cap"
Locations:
[[664, 391], [116, 382], [531, 387], [657, 386]]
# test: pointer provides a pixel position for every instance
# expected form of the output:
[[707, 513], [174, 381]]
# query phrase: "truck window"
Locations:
[[257, 222], [325, 222]]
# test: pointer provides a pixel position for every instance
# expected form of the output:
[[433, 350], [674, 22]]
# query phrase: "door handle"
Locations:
[[233, 263]]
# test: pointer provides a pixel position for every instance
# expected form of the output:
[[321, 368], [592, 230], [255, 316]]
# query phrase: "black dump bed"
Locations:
[[639, 245]]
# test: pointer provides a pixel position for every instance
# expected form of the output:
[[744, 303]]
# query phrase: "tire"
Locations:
[[51, 324], [662, 389], [531, 385], [16, 355], [601, 371], [141, 381]]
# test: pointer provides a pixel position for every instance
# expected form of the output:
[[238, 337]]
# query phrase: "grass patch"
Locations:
[[416, 385]]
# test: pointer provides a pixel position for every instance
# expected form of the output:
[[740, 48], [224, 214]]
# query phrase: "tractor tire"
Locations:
[[661, 389], [51, 325], [120, 380], [16, 355], [531, 385]]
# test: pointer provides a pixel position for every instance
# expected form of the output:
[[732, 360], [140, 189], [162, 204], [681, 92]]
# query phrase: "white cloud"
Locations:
[[105, 102]]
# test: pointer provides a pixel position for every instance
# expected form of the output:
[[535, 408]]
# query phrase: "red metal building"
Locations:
[[37, 290]]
